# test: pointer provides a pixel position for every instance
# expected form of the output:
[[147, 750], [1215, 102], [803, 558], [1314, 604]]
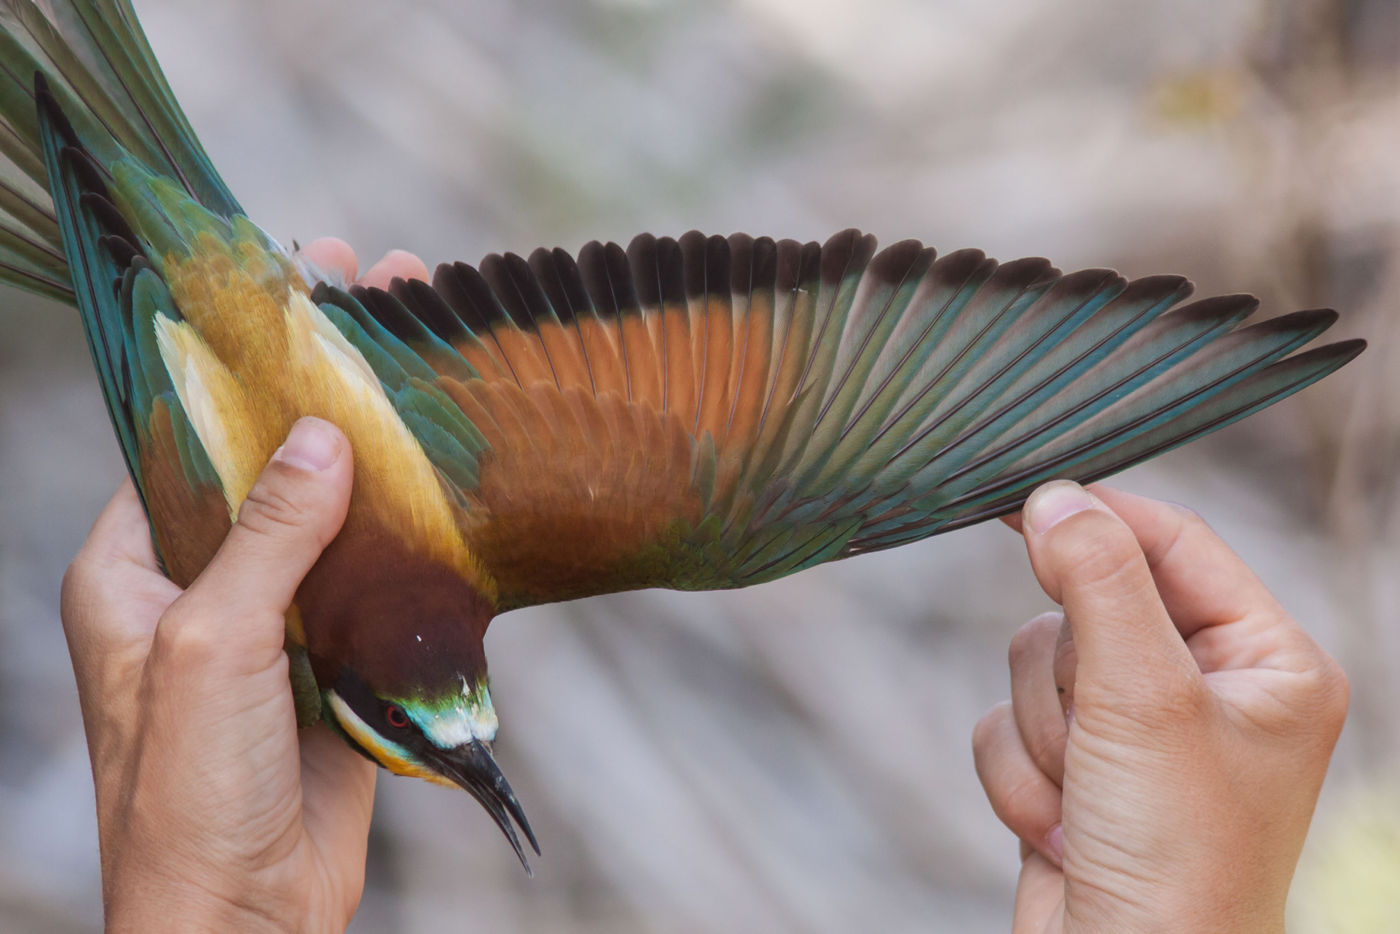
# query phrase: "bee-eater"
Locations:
[[697, 413]]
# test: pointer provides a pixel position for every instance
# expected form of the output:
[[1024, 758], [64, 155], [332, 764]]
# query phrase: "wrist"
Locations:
[[155, 903], [1155, 908]]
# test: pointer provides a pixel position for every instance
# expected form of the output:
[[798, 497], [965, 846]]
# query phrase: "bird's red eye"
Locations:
[[396, 717]]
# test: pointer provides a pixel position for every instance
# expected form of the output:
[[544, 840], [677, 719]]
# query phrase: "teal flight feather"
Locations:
[[700, 412]]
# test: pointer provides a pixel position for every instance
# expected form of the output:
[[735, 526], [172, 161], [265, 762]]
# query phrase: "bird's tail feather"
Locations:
[[100, 69]]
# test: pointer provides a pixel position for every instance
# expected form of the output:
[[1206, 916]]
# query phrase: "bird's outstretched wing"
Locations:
[[712, 412]]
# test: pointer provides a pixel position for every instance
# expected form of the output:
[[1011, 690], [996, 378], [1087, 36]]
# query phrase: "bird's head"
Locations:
[[402, 675]]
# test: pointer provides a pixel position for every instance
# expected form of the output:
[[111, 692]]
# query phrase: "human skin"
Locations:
[[1189, 769], [214, 812], [1167, 733]]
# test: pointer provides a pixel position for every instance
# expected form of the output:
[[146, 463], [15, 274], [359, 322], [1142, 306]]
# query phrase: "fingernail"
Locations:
[[312, 444], [1055, 502], [1055, 840]]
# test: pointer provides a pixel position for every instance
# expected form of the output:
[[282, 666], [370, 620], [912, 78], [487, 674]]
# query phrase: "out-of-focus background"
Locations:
[[686, 759]]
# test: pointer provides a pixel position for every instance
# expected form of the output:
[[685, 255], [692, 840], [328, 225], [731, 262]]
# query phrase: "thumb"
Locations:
[[1088, 560], [290, 515]]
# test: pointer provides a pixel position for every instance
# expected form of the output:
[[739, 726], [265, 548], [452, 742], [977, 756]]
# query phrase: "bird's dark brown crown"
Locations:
[[405, 625]]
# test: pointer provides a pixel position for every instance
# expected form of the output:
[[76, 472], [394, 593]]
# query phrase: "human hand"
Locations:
[[1166, 737], [214, 812], [337, 257]]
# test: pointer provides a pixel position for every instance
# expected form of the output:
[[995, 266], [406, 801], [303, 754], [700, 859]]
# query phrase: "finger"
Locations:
[[1201, 579], [1021, 795], [112, 597], [396, 264], [1013, 522], [1089, 562], [1035, 700], [290, 515], [1040, 898], [1064, 668], [332, 255], [113, 592], [1226, 614], [121, 533]]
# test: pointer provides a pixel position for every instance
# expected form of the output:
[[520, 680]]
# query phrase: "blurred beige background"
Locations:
[[793, 757]]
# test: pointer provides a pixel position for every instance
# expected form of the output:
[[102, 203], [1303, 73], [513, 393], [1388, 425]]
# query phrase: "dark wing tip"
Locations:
[[1312, 321], [1238, 306], [1168, 289], [1340, 354]]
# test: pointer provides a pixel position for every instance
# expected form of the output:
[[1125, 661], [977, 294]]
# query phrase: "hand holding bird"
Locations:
[[266, 828], [695, 413], [265, 821], [1167, 734]]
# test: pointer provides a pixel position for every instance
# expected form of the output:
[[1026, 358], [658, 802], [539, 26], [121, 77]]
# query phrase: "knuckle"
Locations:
[[1021, 805], [77, 584], [185, 642], [1191, 520], [1185, 528], [272, 511], [986, 730], [1047, 746], [1102, 556], [1102, 553], [1172, 705], [1184, 698], [1328, 693], [1032, 638], [1173, 698]]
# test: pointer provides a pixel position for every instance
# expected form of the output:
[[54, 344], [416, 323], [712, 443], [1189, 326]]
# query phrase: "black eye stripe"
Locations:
[[375, 712]]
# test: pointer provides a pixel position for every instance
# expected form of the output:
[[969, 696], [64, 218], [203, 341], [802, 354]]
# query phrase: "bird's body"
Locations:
[[697, 413]]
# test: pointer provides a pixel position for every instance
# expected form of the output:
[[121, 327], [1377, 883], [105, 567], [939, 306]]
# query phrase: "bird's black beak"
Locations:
[[471, 766]]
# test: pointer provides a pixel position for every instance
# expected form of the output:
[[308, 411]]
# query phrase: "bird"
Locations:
[[700, 412]]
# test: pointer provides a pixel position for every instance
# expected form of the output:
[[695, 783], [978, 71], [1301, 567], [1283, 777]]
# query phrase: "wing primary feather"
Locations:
[[709, 411], [470, 297], [107, 215], [544, 265], [714, 301], [891, 267], [592, 268], [643, 372], [796, 263], [836, 257], [1020, 293], [1197, 324], [644, 264], [1274, 338], [119, 249], [1314, 365], [428, 306], [389, 312], [964, 272], [502, 275], [741, 278], [1145, 298]]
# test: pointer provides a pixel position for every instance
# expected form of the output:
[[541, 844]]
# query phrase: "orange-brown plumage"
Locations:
[[189, 521], [576, 490], [695, 413]]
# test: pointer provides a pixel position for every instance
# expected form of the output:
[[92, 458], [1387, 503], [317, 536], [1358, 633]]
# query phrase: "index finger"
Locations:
[[1201, 581], [121, 533], [1200, 578], [113, 593], [1225, 613]]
